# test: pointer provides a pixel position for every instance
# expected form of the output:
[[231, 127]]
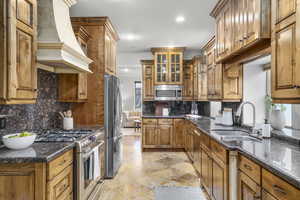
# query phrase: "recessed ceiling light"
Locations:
[[126, 70], [180, 19], [130, 37]]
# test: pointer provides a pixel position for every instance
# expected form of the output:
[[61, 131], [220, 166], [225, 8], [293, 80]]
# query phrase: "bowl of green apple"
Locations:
[[19, 141]]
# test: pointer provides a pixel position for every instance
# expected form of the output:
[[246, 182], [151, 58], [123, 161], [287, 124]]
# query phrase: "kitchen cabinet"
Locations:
[[188, 80], [233, 82], [277, 187], [18, 35], [73, 87], [206, 170], [157, 133], [99, 28], [110, 46], [248, 189], [189, 142], [178, 134], [214, 72], [197, 150], [38, 181], [196, 66], [240, 25], [168, 65], [219, 189], [202, 82], [285, 52], [148, 80]]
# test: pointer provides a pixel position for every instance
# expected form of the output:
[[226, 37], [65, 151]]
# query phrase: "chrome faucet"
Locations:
[[239, 113]]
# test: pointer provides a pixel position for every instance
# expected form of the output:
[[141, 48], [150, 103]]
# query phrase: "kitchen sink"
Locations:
[[239, 138]]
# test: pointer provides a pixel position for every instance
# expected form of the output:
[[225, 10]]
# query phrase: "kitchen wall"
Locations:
[[43, 114]]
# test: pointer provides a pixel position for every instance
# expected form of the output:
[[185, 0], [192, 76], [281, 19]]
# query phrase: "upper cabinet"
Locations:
[[202, 80], [73, 87], [148, 80], [110, 53], [240, 24], [233, 82], [18, 35], [168, 65], [285, 51], [188, 82]]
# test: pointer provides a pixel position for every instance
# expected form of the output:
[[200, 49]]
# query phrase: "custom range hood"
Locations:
[[57, 45]]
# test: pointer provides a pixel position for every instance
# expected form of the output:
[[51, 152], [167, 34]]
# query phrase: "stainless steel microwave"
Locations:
[[168, 93]]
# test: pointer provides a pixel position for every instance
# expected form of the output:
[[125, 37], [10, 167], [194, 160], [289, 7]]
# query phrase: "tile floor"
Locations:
[[141, 172]]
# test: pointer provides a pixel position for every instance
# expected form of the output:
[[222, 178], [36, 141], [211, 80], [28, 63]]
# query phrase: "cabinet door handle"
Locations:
[[279, 189]]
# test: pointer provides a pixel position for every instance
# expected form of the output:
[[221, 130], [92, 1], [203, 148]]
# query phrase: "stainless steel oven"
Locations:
[[90, 169], [168, 93]]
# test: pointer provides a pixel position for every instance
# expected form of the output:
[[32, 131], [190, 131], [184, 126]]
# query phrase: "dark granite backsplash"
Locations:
[[43, 114], [176, 107]]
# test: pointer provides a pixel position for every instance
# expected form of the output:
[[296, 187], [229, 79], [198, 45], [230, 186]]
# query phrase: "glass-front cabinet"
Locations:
[[168, 66]]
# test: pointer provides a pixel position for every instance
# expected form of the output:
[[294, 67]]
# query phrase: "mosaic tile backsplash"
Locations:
[[43, 114]]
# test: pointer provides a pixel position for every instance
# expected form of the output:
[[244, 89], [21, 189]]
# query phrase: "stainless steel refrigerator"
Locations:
[[112, 121]]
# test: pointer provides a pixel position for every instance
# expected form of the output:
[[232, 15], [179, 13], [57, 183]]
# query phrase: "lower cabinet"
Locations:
[[197, 151], [206, 168], [220, 177], [165, 133], [178, 133], [38, 181], [248, 189], [157, 133], [189, 142]]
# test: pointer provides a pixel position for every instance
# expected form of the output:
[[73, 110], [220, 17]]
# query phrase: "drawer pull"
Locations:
[[248, 167], [279, 189], [62, 163], [257, 196]]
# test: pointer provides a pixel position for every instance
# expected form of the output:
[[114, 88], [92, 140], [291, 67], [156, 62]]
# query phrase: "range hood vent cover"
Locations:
[[57, 44]]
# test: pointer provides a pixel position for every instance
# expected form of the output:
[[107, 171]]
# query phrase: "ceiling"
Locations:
[[143, 24]]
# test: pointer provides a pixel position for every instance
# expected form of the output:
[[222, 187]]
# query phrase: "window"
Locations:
[[138, 94]]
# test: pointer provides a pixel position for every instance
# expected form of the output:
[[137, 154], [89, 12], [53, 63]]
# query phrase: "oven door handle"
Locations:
[[88, 153]]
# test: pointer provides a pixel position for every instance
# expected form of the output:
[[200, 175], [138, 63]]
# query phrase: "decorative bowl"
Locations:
[[18, 140]]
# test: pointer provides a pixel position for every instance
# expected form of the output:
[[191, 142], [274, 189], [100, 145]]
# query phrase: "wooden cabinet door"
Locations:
[[165, 136], [188, 82], [220, 35], [206, 169], [178, 137], [227, 17], [218, 81], [161, 67], [19, 81], [211, 81], [252, 21], [284, 73], [202, 86], [107, 52], [267, 196], [219, 180], [238, 24], [284, 9], [148, 82], [150, 136], [195, 79], [233, 82], [175, 68], [197, 151], [248, 189], [82, 86]]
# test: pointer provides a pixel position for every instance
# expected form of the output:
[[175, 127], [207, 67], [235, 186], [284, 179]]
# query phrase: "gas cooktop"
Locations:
[[63, 136]]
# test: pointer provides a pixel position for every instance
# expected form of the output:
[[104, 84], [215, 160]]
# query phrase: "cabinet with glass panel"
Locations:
[[168, 65]]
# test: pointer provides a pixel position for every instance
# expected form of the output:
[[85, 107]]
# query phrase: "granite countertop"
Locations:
[[40, 151], [163, 116], [278, 156]]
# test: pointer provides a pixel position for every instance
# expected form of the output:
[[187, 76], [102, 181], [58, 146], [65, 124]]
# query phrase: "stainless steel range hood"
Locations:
[[57, 45]]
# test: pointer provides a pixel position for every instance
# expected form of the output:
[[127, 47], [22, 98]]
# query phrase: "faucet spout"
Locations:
[[241, 108]]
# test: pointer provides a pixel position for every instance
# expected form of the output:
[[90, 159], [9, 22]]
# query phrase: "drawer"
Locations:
[[61, 187], [219, 151], [165, 121], [205, 142], [59, 164], [250, 168], [278, 187], [150, 121]]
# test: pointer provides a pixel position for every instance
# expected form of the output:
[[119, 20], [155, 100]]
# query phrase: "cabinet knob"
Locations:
[[296, 87]]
